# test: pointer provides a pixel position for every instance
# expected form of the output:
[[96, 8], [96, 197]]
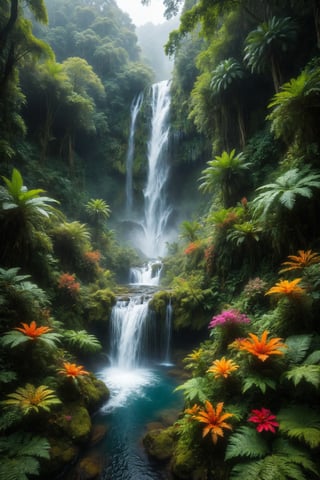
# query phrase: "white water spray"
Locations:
[[135, 109]]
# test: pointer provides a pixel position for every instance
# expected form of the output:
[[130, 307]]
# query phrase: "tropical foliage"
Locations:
[[32, 399]]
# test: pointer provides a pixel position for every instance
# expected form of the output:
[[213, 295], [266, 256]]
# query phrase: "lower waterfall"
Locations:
[[140, 388]]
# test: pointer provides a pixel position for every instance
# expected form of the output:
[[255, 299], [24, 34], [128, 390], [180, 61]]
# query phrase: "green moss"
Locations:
[[93, 392], [184, 462], [160, 443], [159, 302], [72, 422], [62, 452], [100, 304]]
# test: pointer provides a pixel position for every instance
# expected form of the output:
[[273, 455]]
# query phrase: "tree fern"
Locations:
[[300, 423], [19, 455], [246, 442], [308, 373], [82, 340], [259, 382]]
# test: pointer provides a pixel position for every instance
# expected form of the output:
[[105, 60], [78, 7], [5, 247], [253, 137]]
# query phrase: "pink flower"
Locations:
[[265, 420], [227, 317]]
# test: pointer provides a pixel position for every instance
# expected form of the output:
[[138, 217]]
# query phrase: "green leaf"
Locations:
[[300, 423], [308, 373], [259, 382], [298, 346], [246, 442], [195, 389]]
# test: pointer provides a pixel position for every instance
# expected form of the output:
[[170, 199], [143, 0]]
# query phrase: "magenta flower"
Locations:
[[228, 317], [265, 420]]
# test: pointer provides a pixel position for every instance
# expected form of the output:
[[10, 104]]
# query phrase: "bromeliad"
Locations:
[[32, 330], [72, 370], [262, 348], [214, 420], [223, 367]]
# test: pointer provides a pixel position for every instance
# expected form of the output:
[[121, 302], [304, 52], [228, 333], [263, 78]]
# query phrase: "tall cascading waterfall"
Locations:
[[135, 109], [156, 207]]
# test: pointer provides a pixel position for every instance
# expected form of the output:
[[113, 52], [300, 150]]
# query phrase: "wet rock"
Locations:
[[90, 467], [159, 443], [97, 434]]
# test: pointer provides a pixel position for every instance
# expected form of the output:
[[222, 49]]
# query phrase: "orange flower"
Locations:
[[193, 410], [32, 330], [300, 261], [72, 370], [287, 287], [223, 367], [192, 247], [262, 348], [215, 420]]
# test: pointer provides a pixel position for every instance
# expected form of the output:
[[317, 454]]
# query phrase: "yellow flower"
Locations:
[[262, 348], [287, 288], [223, 367]]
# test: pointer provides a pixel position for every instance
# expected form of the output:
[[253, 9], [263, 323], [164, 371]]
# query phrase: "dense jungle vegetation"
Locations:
[[244, 272]]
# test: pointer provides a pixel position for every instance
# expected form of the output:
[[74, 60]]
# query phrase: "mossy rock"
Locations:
[[160, 443], [90, 467], [73, 422], [94, 392], [159, 302], [184, 464], [62, 452], [100, 304]]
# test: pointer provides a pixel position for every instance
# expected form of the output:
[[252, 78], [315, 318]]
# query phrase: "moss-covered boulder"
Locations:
[[62, 452], [160, 443], [99, 305], [94, 392], [72, 422], [90, 467], [184, 464]]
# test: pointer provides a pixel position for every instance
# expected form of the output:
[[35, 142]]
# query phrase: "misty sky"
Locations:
[[142, 14]]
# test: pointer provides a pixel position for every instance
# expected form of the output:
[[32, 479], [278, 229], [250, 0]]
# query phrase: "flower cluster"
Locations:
[[192, 247], [264, 419], [255, 286], [68, 282], [230, 316], [92, 257]]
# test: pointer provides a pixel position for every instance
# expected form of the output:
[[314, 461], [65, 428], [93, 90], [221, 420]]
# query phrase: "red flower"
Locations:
[[265, 420]]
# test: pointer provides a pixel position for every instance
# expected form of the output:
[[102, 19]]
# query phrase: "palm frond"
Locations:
[[246, 442], [300, 423]]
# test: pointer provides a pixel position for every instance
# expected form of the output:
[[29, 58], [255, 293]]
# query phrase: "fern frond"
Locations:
[[300, 423], [246, 442], [259, 382], [296, 454], [18, 469], [195, 389], [25, 444], [308, 373], [298, 346], [83, 340], [313, 358]]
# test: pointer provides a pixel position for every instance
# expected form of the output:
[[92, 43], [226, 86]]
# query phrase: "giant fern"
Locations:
[[195, 389], [300, 423], [259, 382], [307, 373], [19, 455]]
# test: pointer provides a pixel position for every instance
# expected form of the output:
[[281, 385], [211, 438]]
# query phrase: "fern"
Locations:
[[308, 373], [298, 346], [195, 389], [258, 381], [246, 442], [313, 358], [19, 455], [300, 423], [83, 341]]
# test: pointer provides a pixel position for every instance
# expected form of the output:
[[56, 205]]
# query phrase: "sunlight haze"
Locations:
[[141, 14]]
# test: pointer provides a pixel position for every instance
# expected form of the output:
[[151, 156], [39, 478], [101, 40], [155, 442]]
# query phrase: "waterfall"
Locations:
[[168, 327], [135, 108], [157, 210], [128, 323], [148, 274]]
